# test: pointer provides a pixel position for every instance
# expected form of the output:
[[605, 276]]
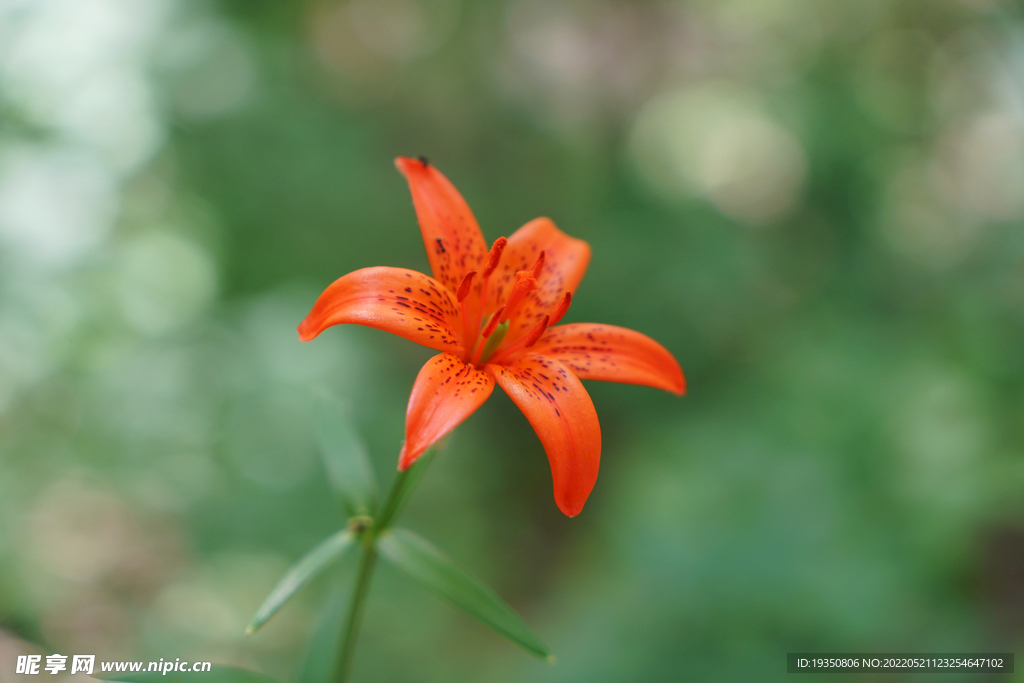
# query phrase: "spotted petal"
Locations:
[[612, 354], [446, 392], [451, 235], [562, 414], [565, 261], [403, 302]]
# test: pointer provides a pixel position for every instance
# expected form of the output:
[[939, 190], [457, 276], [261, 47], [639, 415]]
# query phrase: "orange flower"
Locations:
[[491, 314]]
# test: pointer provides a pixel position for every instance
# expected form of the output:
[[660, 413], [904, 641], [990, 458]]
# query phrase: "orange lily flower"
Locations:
[[492, 314]]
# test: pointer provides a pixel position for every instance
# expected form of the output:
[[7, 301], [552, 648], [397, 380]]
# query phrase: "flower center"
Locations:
[[493, 341], [485, 341]]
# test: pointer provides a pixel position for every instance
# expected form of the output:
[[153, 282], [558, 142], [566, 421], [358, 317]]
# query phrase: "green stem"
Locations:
[[356, 607], [389, 508], [401, 486]]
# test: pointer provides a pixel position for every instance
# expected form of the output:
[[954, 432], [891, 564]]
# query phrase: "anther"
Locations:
[[536, 332], [494, 257], [423, 160], [525, 284], [492, 323], [562, 308], [539, 264], [467, 282]]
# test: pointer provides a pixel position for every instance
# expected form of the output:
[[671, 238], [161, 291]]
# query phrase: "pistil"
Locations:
[[527, 340], [492, 324], [493, 342]]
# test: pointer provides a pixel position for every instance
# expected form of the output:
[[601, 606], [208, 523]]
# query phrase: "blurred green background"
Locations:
[[817, 206]]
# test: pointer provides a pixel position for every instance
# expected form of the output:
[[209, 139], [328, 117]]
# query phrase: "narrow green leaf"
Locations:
[[401, 486], [426, 564], [301, 573], [345, 457], [217, 674], [318, 665]]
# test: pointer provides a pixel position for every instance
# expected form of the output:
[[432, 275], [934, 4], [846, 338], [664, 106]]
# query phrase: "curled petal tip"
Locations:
[[675, 379], [307, 331], [407, 165], [570, 510]]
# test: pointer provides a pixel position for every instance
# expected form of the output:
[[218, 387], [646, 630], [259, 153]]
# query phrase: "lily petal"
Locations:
[[451, 234], [396, 300], [562, 414], [565, 261], [612, 354], [446, 392]]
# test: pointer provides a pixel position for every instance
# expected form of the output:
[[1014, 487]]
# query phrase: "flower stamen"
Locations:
[[536, 332], [562, 308], [468, 329], [527, 340], [539, 264], [494, 256], [476, 306], [467, 282], [492, 323], [525, 284]]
